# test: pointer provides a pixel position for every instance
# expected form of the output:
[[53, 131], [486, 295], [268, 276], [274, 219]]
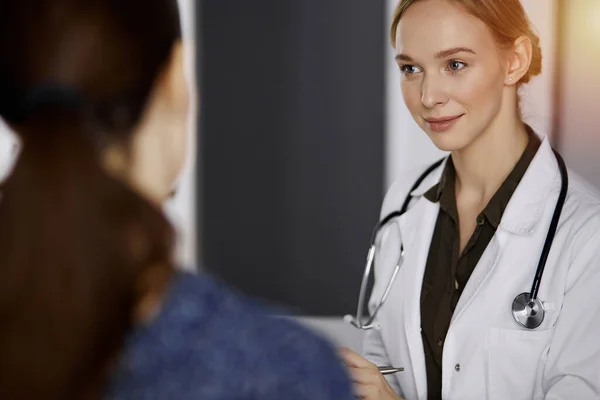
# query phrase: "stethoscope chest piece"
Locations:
[[527, 312]]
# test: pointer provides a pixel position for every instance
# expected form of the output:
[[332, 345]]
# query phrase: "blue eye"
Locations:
[[455, 65]]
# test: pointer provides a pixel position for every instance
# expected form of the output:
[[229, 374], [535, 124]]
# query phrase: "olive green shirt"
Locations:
[[446, 271]]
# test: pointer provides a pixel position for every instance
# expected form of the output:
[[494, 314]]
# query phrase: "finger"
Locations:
[[365, 376], [367, 392], [352, 359]]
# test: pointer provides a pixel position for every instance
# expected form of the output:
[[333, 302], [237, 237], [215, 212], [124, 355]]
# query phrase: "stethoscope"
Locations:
[[527, 309]]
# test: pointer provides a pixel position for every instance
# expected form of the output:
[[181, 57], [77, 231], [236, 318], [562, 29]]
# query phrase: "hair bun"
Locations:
[[535, 68]]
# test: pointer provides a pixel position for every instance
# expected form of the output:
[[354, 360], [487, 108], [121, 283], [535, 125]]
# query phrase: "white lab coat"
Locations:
[[486, 354]]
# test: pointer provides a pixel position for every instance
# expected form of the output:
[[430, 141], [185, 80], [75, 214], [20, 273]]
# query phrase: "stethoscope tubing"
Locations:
[[532, 296]]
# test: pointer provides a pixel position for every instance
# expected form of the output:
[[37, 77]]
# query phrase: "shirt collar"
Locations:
[[444, 191]]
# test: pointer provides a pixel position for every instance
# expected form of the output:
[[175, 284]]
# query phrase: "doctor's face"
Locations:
[[452, 72]]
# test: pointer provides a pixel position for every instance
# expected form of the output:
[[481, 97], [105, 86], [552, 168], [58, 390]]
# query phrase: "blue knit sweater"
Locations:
[[208, 343]]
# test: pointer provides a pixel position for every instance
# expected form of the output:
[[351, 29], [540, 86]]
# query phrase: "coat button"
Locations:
[[457, 367], [440, 342], [480, 219]]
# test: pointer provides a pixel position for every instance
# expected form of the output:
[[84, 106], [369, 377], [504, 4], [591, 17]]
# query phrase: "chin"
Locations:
[[447, 141], [452, 140], [447, 146]]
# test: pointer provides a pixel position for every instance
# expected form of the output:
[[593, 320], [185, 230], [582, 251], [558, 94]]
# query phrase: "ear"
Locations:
[[175, 85], [519, 59]]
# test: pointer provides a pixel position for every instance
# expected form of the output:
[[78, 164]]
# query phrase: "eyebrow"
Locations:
[[441, 54]]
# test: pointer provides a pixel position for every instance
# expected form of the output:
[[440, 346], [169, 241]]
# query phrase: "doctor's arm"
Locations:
[[573, 367]]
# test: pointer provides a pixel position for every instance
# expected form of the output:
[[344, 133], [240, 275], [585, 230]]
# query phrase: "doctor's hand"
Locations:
[[369, 384]]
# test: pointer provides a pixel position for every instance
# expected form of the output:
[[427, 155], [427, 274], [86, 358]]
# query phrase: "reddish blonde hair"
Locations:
[[506, 19]]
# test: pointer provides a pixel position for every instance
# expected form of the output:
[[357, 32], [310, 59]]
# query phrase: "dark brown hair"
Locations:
[[75, 243], [506, 19]]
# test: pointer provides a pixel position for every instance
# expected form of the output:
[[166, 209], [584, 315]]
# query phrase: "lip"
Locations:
[[442, 124]]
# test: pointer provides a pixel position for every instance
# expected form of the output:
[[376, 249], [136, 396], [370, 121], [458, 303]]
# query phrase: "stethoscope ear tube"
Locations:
[[527, 309], [553, 226], [363, 286], [358, 320], [406, 203]]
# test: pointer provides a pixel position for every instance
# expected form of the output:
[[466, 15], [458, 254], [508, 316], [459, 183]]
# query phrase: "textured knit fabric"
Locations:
[[209, 343]]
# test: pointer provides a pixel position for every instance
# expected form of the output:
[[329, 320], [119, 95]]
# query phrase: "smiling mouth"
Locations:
[[442, 124]]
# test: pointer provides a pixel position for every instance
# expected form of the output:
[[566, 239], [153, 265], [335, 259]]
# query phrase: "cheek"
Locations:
[[478, 90], [179, 151], [411, 93], [175, 150]]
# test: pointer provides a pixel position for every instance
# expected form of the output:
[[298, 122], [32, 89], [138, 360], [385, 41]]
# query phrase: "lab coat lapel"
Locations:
[[521, 217], [485, 266], [416, 228]]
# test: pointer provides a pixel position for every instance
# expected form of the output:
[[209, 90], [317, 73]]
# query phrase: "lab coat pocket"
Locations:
[[515, 357]]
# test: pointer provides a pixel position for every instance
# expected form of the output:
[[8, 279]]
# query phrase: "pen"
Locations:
[[387, 370]]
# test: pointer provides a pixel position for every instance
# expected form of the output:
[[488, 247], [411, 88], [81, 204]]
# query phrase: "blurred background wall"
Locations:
[[182, 208], [303, 128], [580, 88], [292, 155]]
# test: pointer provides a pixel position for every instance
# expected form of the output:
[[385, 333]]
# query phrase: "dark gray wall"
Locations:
[[291, 150]]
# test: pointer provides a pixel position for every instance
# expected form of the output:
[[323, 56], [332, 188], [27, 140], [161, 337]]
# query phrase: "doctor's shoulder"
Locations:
[[211, 342]]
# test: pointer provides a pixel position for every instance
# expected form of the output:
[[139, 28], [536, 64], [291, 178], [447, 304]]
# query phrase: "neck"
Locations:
[[482, 166]]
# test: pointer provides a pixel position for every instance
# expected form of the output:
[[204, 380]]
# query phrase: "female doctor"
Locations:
[[459, 317]]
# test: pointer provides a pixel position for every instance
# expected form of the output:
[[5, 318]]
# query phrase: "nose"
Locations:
[[432, 92]]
